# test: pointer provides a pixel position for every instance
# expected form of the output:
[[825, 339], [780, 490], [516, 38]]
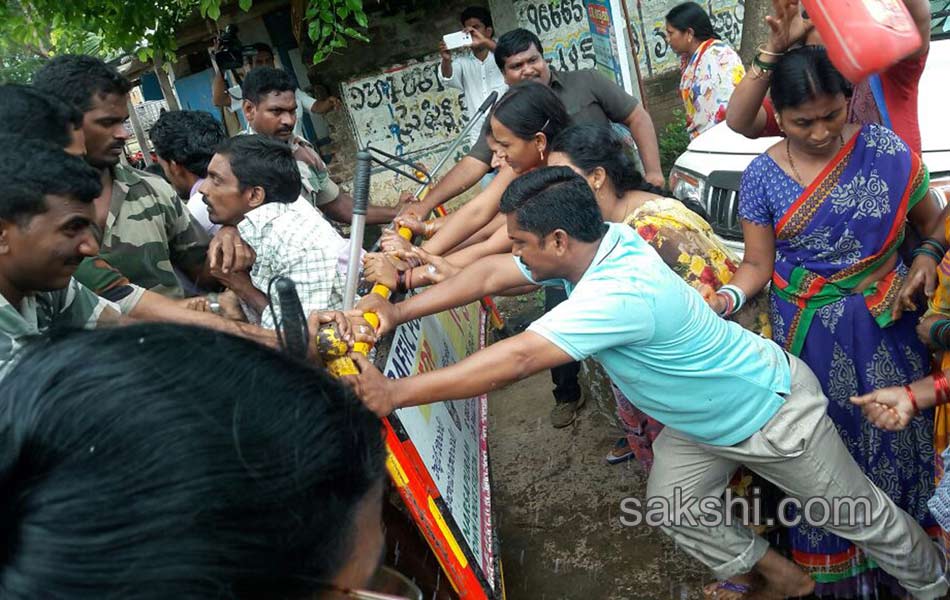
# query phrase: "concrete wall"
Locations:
[[563, 30]]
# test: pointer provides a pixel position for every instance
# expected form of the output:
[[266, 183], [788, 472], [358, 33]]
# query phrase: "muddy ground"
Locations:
[[558, 502]]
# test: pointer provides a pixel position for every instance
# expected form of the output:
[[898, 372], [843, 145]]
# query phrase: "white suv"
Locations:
[[708, 172]]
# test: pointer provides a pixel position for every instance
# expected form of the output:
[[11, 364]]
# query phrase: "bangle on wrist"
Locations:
[[937, 331], [935, 246], [765, 66], [913, 399], [728, 302], [736, 298], [936, 243], [761, 50], [938, 334], [409, 279], [756, 73], [941, 387], [928, 252]]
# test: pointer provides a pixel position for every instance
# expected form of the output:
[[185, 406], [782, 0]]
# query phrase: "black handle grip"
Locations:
[[293, 323], [488, 102], [361, 182]]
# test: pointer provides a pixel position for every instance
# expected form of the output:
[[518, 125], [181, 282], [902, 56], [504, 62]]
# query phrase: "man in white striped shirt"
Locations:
[[253, 183]]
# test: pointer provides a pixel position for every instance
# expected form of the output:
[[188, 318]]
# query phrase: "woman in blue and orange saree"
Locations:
[[824, 212]]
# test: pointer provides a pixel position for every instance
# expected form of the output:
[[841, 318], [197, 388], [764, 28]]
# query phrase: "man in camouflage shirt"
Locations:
[[271, 110], [146, 230], [46, 230]]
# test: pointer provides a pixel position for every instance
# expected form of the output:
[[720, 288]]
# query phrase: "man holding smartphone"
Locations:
[[475, 72]]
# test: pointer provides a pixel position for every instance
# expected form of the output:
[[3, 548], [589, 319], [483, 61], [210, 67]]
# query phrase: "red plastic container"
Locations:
[[864, 36]]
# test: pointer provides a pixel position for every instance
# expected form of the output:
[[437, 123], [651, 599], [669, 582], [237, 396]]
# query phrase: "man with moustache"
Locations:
[[146, 230], [270, 108], [46, 230], [254, 185]]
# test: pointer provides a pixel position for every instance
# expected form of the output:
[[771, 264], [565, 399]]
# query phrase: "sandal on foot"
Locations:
[[621, 452]]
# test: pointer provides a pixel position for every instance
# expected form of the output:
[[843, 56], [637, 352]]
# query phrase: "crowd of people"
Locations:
[[806, 362]]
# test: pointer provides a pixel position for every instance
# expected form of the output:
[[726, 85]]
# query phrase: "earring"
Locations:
[[542, 154]]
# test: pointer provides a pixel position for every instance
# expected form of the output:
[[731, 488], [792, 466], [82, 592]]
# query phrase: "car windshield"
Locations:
[[939, 19]]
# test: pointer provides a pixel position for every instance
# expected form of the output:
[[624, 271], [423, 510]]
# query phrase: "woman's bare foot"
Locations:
[[731, 589], [781, 579]]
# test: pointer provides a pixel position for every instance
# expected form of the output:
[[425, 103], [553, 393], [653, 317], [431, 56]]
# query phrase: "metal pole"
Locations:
[[489, 101], [360, 204]]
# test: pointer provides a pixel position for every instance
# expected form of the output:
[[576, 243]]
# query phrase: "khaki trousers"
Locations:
[[798, 450]]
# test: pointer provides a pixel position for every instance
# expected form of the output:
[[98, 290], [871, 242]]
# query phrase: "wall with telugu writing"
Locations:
[[391, 94], [648, 29], [405, 111]]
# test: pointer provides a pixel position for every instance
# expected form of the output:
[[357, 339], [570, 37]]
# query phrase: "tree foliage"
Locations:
[[38, 29]]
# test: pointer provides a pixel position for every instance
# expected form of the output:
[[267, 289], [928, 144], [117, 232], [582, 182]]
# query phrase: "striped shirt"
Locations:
[[295, 241]]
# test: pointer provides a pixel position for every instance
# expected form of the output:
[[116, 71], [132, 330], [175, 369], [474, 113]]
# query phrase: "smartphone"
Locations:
[[459, 39]]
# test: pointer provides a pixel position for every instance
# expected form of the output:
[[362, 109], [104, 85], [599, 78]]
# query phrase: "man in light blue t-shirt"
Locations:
[[726, 396]]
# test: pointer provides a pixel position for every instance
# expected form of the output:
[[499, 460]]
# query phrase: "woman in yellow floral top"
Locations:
[[683, 239]]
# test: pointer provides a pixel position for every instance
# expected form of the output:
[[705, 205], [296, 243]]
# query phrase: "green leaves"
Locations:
[[146, 28], [331, 23]]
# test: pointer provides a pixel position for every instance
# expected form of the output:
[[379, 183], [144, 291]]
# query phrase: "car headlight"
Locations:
[[687, 186]]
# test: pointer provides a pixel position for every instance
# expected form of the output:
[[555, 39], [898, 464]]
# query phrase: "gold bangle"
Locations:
[[761, 50]]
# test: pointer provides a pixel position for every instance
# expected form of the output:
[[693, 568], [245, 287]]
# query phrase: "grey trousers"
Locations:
[[798, 450]]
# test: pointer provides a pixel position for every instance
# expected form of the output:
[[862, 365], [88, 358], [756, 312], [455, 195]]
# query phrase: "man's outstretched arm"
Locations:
[[466, 173], [484, 277], [495, 367]]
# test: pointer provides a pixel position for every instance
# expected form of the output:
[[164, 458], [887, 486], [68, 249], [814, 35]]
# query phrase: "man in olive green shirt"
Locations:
[[270, 109], [46, 230]]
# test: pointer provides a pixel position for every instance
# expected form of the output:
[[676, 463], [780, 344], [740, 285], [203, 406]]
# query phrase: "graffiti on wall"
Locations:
[[562, 27], [648, 29], [407, 111]]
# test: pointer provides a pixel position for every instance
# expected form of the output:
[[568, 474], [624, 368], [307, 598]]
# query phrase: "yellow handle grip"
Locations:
[[340, 364]]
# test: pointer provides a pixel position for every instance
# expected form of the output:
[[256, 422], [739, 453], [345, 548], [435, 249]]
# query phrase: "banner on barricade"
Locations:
[[439, 452]]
